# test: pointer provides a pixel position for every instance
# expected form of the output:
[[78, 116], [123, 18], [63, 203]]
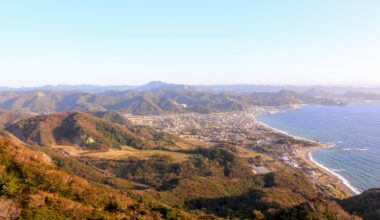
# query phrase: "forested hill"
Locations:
[[33, 187], [156, 176], [171, 99], [89, 131]]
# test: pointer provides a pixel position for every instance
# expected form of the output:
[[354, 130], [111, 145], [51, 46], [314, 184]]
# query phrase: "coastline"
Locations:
[[287, 134], [344, 182], [306, 155]]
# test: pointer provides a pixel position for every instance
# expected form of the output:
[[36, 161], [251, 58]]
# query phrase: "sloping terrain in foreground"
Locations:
[[89, 132], [33, 187]]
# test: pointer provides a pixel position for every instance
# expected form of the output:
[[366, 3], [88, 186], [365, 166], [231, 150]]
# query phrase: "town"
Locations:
[[242, 129]]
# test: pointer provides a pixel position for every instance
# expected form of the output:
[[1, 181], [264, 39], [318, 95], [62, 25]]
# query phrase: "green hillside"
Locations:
[[171, 99], [142, 172], [32, 187], [87, 131], [366, 205]]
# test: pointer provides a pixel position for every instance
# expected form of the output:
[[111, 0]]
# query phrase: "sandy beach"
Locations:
[[287, 134], [305, 154]]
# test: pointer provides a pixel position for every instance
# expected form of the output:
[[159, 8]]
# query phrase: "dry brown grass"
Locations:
[[125, 152], [244, 153]]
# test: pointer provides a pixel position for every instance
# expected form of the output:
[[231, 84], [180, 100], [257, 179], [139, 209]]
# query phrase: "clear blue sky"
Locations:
[[189, 41]]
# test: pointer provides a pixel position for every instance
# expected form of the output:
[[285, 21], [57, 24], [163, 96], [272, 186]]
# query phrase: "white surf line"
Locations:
[[286, 133], [343, 179]]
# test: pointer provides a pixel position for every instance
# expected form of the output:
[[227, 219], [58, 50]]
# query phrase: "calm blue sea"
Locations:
[[355, 131]]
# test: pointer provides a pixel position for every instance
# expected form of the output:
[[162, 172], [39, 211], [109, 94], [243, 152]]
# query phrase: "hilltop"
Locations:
[[88, 131], [8, 117], [154, 99], [33, 187], [156, 173], [366, 205], [196, 181]]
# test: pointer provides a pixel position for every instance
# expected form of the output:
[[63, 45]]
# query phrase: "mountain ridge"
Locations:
[[184, 182], [161, 101], [88, 131], [234, 88]]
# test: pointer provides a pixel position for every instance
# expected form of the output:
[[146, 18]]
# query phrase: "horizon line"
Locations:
[[197, 84]]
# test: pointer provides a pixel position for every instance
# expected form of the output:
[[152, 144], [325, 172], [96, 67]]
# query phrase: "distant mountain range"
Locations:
[[361, 96], [238, 88], [152, 99], [154, 85], [70, 152], [158, 97], [300, 89]]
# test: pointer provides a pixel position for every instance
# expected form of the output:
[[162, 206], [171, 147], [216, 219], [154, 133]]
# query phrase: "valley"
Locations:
[[215, 164], [190, 110], [243, 130]]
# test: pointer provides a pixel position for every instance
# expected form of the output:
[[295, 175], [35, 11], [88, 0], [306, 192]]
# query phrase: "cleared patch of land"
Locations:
[[245, 153], [125, 152]]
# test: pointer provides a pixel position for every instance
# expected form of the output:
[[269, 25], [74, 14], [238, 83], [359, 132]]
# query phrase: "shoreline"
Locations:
[[306, 155], [291, 135], [343, 180]]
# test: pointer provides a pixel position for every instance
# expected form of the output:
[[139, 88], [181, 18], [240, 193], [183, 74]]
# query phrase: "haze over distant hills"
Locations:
[[237, 88], [85, 136], [92, 88], [152, 99]]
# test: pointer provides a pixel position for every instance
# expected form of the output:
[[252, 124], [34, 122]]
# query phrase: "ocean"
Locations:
[[353, 130]]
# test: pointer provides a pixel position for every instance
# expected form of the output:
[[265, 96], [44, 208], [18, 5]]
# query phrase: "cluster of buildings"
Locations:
[[242, 129], [232, 127]]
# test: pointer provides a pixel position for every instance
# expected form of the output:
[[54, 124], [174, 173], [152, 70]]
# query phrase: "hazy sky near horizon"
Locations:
[[189, 41]]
